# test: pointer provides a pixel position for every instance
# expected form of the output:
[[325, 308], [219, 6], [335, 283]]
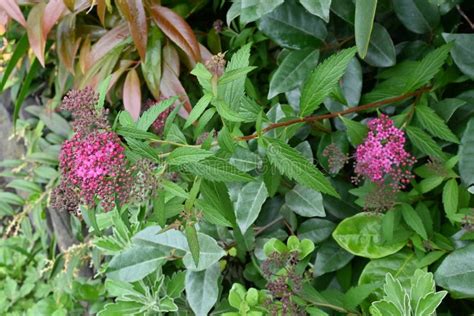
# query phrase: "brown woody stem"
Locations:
[[361, 108]]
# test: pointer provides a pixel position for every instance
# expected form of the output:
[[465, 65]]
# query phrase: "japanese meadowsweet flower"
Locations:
[[382, 158], [82, 105], [95, 165]]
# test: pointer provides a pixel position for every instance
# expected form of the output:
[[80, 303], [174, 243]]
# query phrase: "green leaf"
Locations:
[[446, 108], [427, 68], [150, 115], [245, 160], [364, 21], [143, 149], [419, 16], [132, 132], [456, 273], [209, 254], [151, 66], [292, 164], [121, 308], [434, 124], [198, 109], [185, 155], [352, 82], [226, 112], [356, 295], [249, 203], [216, 169], [293, 71], [102, 90], [428, 304], [356, 132], [234, 74], [20, 50], [316, 229], [291, 26], [233, 92], [330, 257], [211, 214], [323, 80], [424, 142], [24, 185], [11, 198], [381, 52], [361, 235], [217, 195], [174, 189], [252, 10], [193, 242], [305, 201], [466, 155], [202, 289], [451, 198], [413, 220], [401, 264], [462, 51], [318, 7], [25, 88], [135, 263]]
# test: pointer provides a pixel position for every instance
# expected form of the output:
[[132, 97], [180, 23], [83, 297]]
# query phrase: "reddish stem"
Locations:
[[313, 118]]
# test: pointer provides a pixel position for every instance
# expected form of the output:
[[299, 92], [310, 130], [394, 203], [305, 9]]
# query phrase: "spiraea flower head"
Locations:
[[95, 165], [82, 105], [382, 158]]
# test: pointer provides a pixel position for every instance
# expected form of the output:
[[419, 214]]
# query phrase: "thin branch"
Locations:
[[461, 12], [361, 108]]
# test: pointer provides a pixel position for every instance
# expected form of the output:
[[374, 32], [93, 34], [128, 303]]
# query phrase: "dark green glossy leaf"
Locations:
[[291, 26]]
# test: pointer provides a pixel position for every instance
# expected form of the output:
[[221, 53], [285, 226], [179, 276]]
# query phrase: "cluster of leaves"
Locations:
[[249, 217]]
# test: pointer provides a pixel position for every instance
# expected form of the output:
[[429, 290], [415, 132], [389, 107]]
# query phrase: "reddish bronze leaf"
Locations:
[[134, 13], [84, 54], [53, 11], [67, 44], [176, 28], [170, 85], [132, 97], [101, 6], [205, 53], [106, 43], [13, 10], [34, 29], [124, 66]]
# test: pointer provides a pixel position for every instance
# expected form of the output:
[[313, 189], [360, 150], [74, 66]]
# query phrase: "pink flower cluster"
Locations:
[[96, 165], [382, 157], [92, 163]]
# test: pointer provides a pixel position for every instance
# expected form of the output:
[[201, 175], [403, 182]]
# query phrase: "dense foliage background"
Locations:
[[311, 157]]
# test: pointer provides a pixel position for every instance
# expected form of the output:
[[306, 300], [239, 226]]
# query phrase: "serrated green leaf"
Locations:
[[184, 155], [292, 164], [150, 115], [102, 90], [226, 112], [427, 68], [198, 109], [293, 71], [323, 79], [424, 142], [413, 220], [235, 74], [216, 169], [434, 124]]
